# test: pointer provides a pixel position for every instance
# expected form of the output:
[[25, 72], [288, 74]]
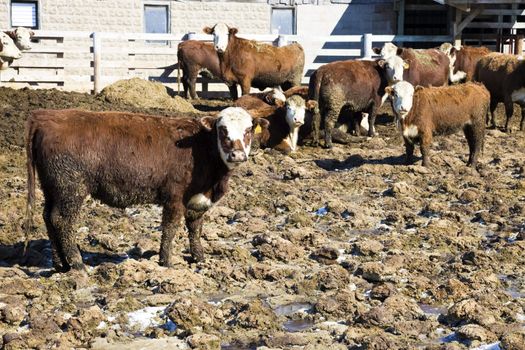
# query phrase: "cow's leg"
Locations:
[[356, 119], [522, 122], [409, 151], [245, 86], [233, 91], [192, 82], [474, 136], [372, 111], [509, 110], [329, 123], [58, 257], [194, 225], [62, 217], [316, 126], [493, 105], [426, 141], [171, 215]]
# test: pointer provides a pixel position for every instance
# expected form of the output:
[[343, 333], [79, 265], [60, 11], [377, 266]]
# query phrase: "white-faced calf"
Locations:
[[422, 112]]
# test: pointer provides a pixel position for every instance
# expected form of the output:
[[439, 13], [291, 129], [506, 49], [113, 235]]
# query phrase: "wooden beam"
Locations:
[[473, 14]]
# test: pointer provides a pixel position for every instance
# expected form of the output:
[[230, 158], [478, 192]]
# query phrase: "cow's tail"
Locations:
[[178, 78], [29, 135], [314, 87]]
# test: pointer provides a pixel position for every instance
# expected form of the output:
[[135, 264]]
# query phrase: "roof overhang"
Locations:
[[466, 5]]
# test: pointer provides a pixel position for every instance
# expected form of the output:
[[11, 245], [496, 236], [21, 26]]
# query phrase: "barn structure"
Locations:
[[84, 45]]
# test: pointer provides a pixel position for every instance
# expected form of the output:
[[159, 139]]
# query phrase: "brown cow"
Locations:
[[425, 67], [123, 159], [251, 63], [196, 57], [504, 77], [348, 86], [273, 97], [422, 112], [463, 60], [285, 122]]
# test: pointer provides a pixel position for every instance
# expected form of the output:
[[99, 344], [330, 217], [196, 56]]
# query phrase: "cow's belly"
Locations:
[[122, 196], [267, 81]]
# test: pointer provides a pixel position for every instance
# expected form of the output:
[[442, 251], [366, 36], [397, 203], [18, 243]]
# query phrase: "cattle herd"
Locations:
[[183, 164]]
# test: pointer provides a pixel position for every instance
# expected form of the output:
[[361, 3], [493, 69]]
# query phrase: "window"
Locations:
[[155, 18], [283, 20], [24, 14]]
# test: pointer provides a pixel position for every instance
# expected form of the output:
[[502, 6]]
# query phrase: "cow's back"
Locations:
[[467, 58], [119, 158], [428, 67], [502, 74], [194, 53]]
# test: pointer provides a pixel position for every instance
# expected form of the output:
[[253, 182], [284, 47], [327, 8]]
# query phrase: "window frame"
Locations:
[[37, 17], [294, 17], [165, 4]]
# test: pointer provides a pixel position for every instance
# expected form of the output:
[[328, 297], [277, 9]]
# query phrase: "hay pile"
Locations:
[[145, 94]]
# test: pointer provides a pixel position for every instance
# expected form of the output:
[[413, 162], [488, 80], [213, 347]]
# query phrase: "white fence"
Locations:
[[87, 62]]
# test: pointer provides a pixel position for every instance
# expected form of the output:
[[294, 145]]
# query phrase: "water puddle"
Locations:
[[298, 325], [292, 308], [431, 310], [513, 287], [321, 211]]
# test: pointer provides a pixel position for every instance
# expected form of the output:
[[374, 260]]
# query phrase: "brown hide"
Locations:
[[251, 63], [122, 159], [297, 90], [444, 110], [467, 58], [429, 67], [502, 74], [193, 56], [257, 100], [355, 85], [278, 129]]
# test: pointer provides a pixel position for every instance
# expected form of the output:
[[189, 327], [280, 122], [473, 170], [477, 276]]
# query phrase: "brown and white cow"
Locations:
[[8, 51], [422, 112], [425, 67], [285, 122], [21, 37], [251, 63], [196, 57], [273, 97], [349, 87], [463, 60], [123, 159], [504, 77]]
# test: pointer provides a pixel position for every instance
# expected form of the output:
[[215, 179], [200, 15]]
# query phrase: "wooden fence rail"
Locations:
[[86, 61]]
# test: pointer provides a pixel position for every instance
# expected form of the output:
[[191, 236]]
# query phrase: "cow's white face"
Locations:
[[8, 48], [295, 111], [234, 135], [277, 95], [402, 95], [388, 50], [394, 68], [221, 34], [23, 38]]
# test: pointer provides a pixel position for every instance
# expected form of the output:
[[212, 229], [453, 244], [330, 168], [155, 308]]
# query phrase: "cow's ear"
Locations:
[[389, 90], [208, 123], [419, 87], [207, 30], [261, 122], [31, 34], [406, 65], [381, 63], [452, 51], [278, 103], [377, 50], [311, 105], [233, 31], [399, 51]]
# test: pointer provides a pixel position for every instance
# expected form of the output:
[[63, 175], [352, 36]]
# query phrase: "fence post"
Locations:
[[281, 40], [97, 61], [367, 46]]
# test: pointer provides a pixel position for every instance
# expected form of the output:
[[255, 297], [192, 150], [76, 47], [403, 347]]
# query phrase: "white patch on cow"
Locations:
[[518, 95], [278, 94], [9, 49], [364, 122], [221, 34], [199, 202], [295, 113], [236, 121], [410, 131], [458, 76], [23, 38], [394, 68], [388, 50], [402, 98]]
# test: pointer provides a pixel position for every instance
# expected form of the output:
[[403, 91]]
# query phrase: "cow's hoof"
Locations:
[[197, 257]]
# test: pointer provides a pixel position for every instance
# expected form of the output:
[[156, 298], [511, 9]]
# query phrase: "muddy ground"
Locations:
[[343, 249]]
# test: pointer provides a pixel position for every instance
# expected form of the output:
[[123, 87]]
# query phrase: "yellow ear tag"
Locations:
[[406, 65], [258, 129]]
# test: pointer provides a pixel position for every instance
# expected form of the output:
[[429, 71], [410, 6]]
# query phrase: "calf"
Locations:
[[251, 63], [463, 60], [21, 37], [196, 57], [285, 122], [274, 97], [355, 86], [421, 112], [425, 67], [504, 77], [123, 159]]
